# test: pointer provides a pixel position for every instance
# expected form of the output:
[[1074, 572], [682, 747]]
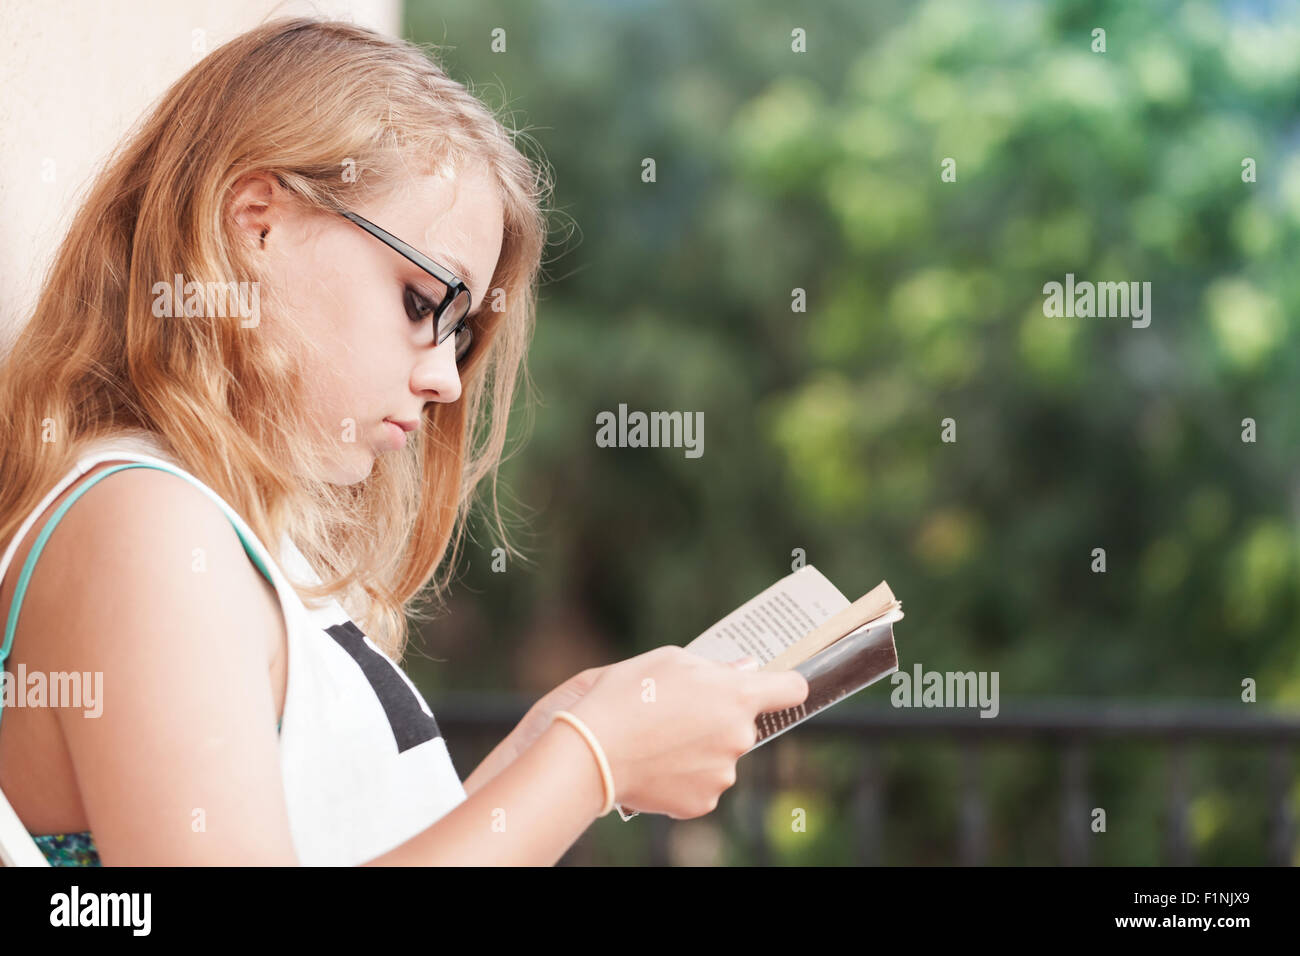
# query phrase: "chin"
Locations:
[[356, 468]]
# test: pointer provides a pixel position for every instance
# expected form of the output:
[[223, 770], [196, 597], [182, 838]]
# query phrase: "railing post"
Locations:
[[1178, 846], [1074, 807], [661, 826], [750, 803], [1281, 843], [974, 823], [866, 807], [760, 798]]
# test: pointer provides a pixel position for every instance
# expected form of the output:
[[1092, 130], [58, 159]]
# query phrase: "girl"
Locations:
[[269, 368]]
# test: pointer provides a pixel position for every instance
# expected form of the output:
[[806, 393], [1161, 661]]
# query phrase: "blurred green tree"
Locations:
[[823, 171]]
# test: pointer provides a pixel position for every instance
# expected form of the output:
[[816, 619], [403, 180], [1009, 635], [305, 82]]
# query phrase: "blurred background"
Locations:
[[778, 170], [820, 171]]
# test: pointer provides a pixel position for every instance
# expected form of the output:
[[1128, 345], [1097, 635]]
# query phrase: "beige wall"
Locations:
[[74, 76]]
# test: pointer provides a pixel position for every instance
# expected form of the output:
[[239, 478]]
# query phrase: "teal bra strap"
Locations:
[[12, 625]]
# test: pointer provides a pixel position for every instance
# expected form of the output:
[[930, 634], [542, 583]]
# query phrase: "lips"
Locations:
[[404, 426]]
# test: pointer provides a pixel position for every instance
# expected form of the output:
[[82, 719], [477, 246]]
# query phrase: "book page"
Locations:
[[877, 606], [773, 620]]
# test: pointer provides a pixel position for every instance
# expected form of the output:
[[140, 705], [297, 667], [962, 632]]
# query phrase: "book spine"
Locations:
[[844, 668]]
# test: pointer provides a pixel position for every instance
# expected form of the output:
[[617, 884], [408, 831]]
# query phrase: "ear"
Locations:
[[256, 205]]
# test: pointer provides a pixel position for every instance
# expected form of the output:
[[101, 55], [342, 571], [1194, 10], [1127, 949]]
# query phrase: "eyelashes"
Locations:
[[418, 305]]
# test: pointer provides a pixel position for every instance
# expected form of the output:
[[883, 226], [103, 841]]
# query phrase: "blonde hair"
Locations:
[[338, 114]]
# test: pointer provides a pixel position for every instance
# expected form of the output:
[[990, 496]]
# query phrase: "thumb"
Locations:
[[781, 690], [747, 663]]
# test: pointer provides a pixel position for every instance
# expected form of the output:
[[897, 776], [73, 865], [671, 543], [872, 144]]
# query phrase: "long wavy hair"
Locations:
[[339, 114]]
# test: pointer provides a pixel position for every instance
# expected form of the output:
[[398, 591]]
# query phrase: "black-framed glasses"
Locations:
[[451, 312]]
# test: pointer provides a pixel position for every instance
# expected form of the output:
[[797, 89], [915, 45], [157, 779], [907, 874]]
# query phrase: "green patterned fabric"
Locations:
[[69, 849]]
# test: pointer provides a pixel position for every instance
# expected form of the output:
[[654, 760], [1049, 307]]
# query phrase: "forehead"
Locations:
[[456, 218]]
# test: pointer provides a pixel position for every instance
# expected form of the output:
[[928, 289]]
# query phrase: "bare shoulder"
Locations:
[[146, 541], [145, 584]]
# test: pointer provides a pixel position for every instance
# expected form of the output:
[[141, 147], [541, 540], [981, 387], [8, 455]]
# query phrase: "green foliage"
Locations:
[[821, 171]]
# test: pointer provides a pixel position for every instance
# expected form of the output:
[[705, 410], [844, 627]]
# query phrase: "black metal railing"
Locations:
[[472, 725]]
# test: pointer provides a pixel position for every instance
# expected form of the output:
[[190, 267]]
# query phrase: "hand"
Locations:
[[746, 663], [538, 717], [678, 756], [565, 696]]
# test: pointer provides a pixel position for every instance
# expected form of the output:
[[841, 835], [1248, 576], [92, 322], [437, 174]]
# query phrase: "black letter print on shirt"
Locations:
[[411, 725]]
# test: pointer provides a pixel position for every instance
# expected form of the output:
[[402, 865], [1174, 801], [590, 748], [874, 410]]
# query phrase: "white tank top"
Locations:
[[364, 765]]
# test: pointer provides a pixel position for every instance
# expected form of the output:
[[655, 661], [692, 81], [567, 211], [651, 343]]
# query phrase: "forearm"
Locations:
[[528, 814]]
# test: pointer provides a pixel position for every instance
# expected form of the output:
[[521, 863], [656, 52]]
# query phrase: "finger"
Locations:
[[779, 690], [747, 663]]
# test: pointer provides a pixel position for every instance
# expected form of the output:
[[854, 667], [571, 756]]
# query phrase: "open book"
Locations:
[[803, 622]]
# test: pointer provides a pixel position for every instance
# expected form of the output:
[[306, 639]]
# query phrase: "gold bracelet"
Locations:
[[607, 778]]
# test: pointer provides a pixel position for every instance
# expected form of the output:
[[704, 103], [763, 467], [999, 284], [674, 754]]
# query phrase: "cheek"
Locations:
[[363, 363], [352, 354], [351, 318]]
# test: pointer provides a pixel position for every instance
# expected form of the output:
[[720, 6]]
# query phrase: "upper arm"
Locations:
[[145, 582]]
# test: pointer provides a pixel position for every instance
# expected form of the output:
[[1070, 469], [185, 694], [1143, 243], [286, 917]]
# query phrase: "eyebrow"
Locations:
[[460, 269]]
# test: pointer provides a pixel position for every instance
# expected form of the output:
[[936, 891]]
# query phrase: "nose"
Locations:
[[435, 375]]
